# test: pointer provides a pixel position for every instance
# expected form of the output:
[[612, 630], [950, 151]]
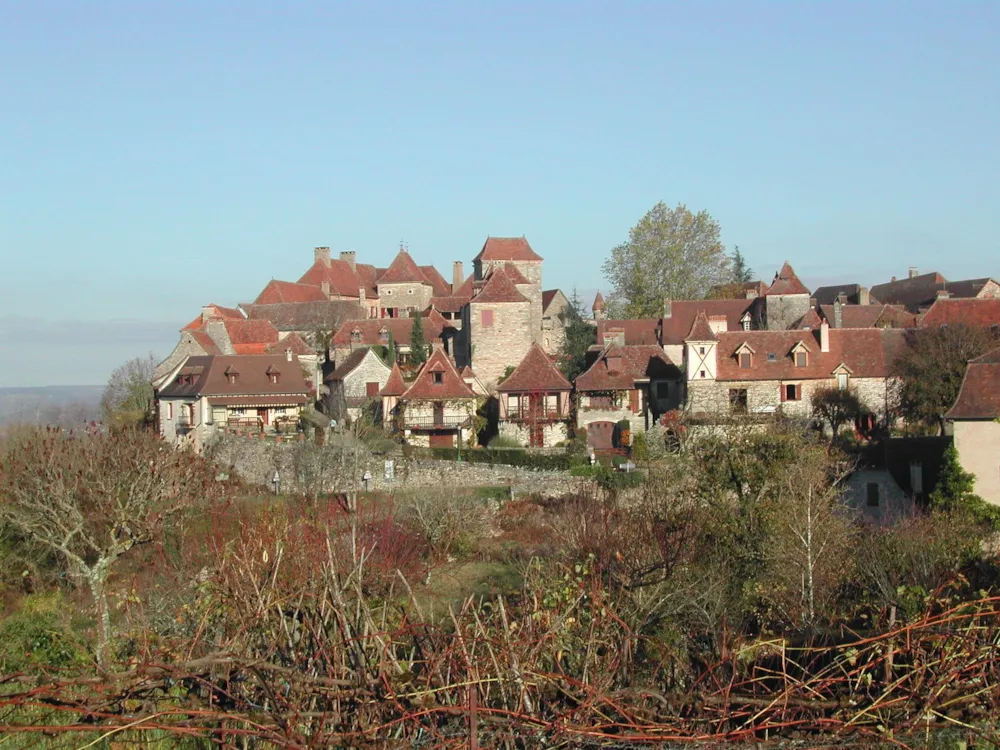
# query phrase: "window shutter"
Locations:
[[784, 390], [487, 318]]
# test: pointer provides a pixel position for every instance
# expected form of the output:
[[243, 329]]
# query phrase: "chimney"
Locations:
[[457, 276], [838, 314], [824, 337], [913, 272], [324, 285], [322, 255], [943, 294], [842, 297], [864, 298], [288, 354], [208, 313], [350, 257], [668, 308]]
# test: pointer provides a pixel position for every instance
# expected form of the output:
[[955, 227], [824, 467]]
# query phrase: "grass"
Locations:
[[453, 583]]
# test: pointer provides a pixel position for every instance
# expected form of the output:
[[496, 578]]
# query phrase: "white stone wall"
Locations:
[[371, 370], [763, 396], [417, 296], [978, 446], [504, 343], [552, 432], [893, 502], [186, 347]]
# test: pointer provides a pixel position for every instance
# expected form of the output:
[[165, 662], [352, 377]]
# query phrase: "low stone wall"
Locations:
[[256, 461]]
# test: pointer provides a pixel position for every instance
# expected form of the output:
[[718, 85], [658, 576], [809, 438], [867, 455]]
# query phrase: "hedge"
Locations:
[[504, 457]]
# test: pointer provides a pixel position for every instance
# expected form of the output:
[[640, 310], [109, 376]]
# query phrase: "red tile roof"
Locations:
[[979, 397], [619, 367], [499, 288], [507, 248], [674, 329], [866, 352], [808, 321], [870, 316], [441, 287], [251, 336], [344, 280], [449, 303], [701, 330], [512, 273], [296, 343], [637, 332], [980, 313], [277, 292], [786, 282], [451, 386], [598, 302], [214, 311], [394, 386], [205, 342], [403, 270], [370, 329], [535, 373]]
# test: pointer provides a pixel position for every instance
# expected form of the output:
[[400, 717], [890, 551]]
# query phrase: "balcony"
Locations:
[[536, 415], [436, 422]]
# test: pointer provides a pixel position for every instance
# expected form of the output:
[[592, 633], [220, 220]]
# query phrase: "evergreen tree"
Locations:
[[390, 354], [955, 492], [742, 273], [418, 346], [580, 336]]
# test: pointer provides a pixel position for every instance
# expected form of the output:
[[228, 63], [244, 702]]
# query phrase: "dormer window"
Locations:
[[801, 359], [232, 375], [745, 322], [384, 335], [273, 375], [356, 335], [746, 359], [437, 377], [614, 364]]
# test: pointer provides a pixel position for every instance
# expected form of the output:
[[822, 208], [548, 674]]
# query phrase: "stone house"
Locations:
[[220, 330], [918, 291], [785, 301], [437, 409], [895, 476], [357, 384], [534, 402], [763, 372], [624, 383], [204, 394], [497, 326], [975, 426], [554, 304], [363, 334]]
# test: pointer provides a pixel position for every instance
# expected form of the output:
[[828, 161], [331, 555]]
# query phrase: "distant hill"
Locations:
[[62, 405]]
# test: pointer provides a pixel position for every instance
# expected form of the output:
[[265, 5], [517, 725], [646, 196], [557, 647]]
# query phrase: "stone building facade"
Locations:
[[975, 423], [357, 384]]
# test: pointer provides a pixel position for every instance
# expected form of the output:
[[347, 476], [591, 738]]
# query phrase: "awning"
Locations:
[[296, 399]]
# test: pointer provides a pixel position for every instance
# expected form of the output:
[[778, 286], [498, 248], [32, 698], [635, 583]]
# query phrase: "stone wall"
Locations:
[[186, 347], [783, 310], [505, 343], [763, 396], [417, 296], [371, 370], [552, 432], [585, 417], [893, 502]]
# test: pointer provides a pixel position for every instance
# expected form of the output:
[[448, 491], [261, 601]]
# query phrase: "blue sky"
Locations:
[[158, 156]]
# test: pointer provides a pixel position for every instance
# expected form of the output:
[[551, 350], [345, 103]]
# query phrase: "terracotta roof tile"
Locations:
[[342, 278], [205, 342], [286, 291], [869, 316], [507, 248], [598, 302], [674, 330], [370, 330], [786, 282], [499, 288], [424, 388], [394, 386], [701, 330], [296, 343], [536, 372], [981, 313], [441, 287], [979, 397], [251, 334], [636, 332], [512, 273], [403, 270], [619, 367]]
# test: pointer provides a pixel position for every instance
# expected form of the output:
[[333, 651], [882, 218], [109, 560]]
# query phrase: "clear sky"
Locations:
[[155, 157]]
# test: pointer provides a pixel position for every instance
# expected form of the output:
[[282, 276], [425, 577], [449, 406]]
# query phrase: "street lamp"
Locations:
[[276, 483]]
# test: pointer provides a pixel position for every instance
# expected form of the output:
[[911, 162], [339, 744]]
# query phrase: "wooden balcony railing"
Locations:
[[437, 422]]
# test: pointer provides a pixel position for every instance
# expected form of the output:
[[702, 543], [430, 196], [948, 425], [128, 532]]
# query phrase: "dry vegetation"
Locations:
[[731, 597]]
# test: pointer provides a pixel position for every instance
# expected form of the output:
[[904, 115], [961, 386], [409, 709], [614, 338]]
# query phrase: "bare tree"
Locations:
[[90, 497], [128, 396], [836, 407]]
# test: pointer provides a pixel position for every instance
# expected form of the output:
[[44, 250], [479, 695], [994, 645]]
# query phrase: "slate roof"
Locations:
[[277, 292], [786, 282], [299, 346], [870, 316], [394, 386], [979, 397], [701, 330], [825, 295], [866, 352], [209, 377], [635, 363], [914, 293], [980, 313], [507, 248], [535, 373], [451, 386], [499, 288]]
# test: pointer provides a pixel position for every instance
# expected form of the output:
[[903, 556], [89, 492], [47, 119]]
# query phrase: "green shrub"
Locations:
[[505, 441], [502, 457], [34, 638], [638, 451]]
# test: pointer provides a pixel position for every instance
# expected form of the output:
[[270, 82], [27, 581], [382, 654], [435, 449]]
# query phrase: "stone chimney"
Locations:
[[322, 255], [838, 314], [324, 286], [350, 257], [842, 297], [913, 272], [864, 297], [668, 308], [824, 337], [457, 276], [208, 313], [718, 323]]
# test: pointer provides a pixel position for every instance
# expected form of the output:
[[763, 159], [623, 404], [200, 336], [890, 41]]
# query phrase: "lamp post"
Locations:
[[276, 483]]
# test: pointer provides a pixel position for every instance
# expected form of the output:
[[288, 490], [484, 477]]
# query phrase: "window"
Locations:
[[438, 377], [487, 318], [170, 411], [231, 377], [384, 335], [409, 291], [738, 400], [371, 390], [746, 323], [745, 360], [842, 381], [701, 374], [701, 350], [801, 359], [274, 377], [356, 335], [771, 357], [872, 498], [792, 392]]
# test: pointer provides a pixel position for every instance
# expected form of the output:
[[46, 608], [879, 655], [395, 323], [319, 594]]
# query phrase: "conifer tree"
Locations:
[[418, 346]]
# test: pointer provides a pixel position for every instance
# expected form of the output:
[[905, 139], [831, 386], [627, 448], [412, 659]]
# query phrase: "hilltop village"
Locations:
[[340, 339]]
